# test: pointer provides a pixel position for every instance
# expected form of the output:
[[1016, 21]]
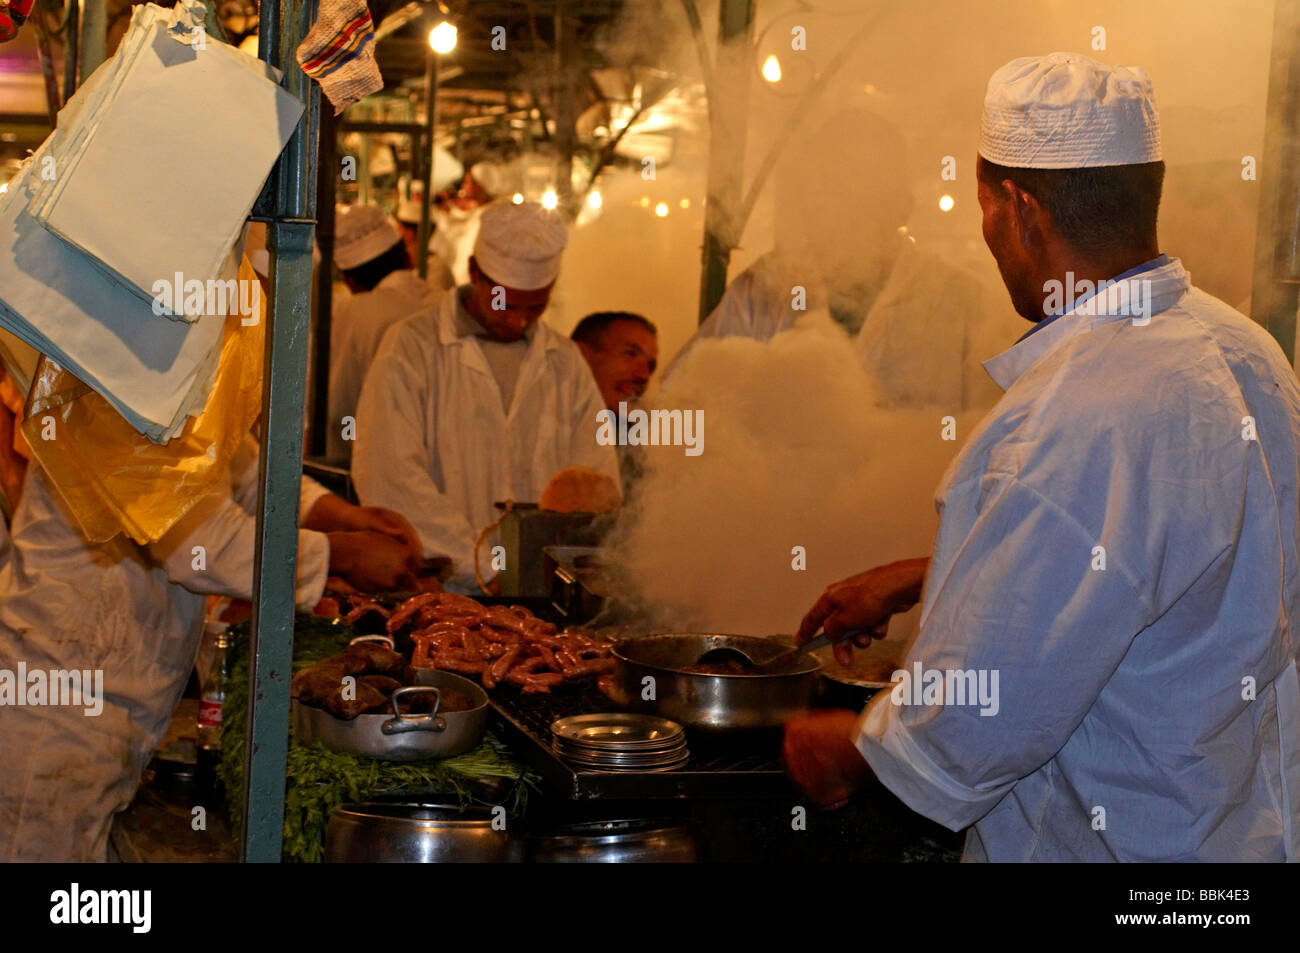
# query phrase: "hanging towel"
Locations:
[[338, 52]]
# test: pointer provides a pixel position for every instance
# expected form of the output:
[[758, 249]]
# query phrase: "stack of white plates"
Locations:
[[618, 741]]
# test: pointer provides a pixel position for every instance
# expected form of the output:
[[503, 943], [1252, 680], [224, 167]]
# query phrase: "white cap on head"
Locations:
[[409, 200], [362, 233], [520, 246], [408, 211], [490, 177], [1066, 111]]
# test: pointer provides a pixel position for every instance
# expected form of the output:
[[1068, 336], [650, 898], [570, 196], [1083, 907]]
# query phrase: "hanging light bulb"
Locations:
[[550, 199], [772, 69], [443, 38]]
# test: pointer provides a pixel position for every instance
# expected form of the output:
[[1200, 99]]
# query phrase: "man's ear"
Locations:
[[1027, 215], [587, 350]]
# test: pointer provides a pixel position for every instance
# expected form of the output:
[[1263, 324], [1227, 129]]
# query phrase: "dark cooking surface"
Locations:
[[730, 766]]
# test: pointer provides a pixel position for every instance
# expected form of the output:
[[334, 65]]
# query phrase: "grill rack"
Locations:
[[726, 766]]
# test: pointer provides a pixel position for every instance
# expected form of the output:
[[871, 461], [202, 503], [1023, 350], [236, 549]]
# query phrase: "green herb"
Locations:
[[318, 780]]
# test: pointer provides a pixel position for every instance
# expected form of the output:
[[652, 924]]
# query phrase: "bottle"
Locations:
[[212, 696]]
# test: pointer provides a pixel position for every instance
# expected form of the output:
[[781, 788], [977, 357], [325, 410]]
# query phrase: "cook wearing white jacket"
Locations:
[[1115, 577], [135, 614], [476, 400]]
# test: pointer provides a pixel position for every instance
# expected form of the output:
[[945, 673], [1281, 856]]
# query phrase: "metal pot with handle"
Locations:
[[397, 736], [615, 842], [710, 702], [406, 833]]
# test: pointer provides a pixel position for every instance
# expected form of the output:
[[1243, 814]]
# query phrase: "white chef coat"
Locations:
[[922, 340], [358, 326], [435, 439], [136, 614], [1121, 730]]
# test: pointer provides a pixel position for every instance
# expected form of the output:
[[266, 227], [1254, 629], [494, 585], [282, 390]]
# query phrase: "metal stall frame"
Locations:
[[287, 204], [1275, 294], [422, 140], [728, 94]]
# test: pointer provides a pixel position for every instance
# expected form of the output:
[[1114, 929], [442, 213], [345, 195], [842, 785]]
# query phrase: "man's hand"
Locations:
[[853, 611], [379, 520], [372, 562], [340, 586], [821, 759], [331, 514]]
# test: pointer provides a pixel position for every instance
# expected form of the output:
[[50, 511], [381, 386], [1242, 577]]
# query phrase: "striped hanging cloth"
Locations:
[[339, 53]]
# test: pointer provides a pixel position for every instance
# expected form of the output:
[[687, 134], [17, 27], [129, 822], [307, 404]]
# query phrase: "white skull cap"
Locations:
[[520, 246], [362, 233], [1066, 111]]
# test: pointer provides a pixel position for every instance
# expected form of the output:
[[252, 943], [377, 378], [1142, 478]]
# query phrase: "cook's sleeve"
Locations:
[[1021, 607], [391, 465], [244, 486], [226, 533]]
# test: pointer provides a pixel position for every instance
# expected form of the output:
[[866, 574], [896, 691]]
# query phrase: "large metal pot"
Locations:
[[397, 737], [378, 832], [615, 842], [710, 702]]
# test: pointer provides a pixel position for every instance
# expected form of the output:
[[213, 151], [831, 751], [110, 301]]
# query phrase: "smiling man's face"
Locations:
[[622, 362]]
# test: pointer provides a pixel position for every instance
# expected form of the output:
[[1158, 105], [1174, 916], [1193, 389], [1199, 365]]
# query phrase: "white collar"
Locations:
[[1167, 284]]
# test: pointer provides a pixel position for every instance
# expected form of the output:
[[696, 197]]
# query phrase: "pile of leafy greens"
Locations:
[[318, 780]]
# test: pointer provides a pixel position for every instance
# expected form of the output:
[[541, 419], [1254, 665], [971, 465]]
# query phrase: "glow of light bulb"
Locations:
[[443, 38]]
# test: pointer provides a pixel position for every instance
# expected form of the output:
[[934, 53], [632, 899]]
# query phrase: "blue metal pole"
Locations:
[[291, 194]]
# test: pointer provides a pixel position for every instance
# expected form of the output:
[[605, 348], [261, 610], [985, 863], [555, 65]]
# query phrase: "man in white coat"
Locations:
[[128, 619], [476, 400], [1106, 665], [920, 325], [385, 288]]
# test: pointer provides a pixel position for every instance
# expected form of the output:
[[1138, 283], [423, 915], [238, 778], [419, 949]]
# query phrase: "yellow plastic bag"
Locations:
[[113, 479]]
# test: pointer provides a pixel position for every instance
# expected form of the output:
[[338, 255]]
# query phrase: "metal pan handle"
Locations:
[[386, 639], [400, 724]]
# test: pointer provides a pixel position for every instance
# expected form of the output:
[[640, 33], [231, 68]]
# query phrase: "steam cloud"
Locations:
[[799, 454]]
